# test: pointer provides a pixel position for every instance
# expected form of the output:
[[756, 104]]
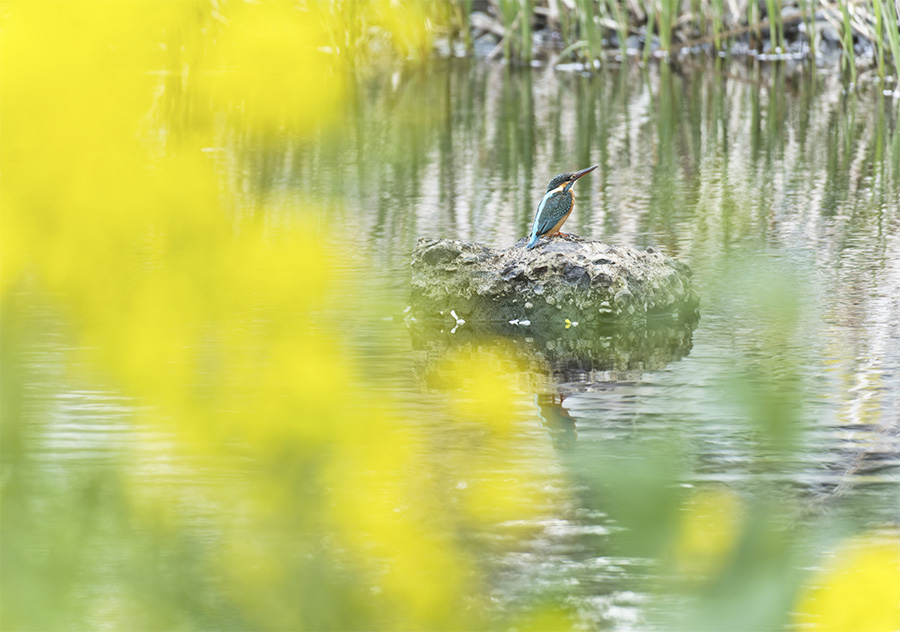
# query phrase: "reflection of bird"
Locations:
[[557, 421], [555, 206]]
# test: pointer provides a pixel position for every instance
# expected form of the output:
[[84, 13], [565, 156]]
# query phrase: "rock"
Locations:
[[634, 43], [828, 33], [485, 45], [562, 278]]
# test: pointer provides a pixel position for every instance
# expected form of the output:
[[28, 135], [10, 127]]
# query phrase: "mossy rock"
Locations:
[[562, 279]]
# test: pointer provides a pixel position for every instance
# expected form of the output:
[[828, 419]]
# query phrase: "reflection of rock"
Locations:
[[573, 359], [563, 278], [557, 421]]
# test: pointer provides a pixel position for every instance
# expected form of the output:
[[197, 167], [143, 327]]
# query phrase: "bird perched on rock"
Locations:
[[556, 206]]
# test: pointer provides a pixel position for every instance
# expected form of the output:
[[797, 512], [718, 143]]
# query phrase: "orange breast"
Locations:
[[559, 224]]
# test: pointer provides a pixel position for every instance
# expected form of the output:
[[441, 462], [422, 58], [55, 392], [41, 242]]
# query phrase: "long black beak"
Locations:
[[583, 172], [578, 174]]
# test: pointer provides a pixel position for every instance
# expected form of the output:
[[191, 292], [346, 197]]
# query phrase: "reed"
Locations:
[[753, 19], [462, 9], [699, 16], [567, 25], [891, 17], [648, 37], [620, 16], [526, 8], [849, 58], [515, 17], [583, 25], [879, 40], [809, 9], [718, 22], [776, 29], [666, 18], [508, 13], [590, 32]]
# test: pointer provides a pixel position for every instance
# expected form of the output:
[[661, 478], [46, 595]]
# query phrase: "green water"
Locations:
[[782, 194]]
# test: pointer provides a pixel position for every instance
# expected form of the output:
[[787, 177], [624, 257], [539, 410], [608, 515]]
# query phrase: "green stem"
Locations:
[[891, 19], [774, 15], [665, 24], [526, 7], [809, 6], [879, 40], [648, 34], [718, 20], [849, 56]]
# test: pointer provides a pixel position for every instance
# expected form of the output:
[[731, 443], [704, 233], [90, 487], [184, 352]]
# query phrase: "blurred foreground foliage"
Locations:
[[216, 317]]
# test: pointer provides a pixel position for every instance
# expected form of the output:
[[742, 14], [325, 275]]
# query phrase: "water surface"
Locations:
[[781, 192]]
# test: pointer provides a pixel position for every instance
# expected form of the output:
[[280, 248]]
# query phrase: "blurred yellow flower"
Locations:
[[409, 23], [857, 591], [272, 66], [709, 527], [210, 311], [486, 382]]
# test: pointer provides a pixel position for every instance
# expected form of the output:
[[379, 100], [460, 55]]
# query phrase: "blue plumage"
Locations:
[[555, 206]]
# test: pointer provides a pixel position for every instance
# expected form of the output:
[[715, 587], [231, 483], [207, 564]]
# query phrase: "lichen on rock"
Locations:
[[563, 278]]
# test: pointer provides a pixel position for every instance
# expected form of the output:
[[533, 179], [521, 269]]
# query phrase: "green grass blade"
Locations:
[[847, 40], [891, 20], [879, 40], [648, 35]]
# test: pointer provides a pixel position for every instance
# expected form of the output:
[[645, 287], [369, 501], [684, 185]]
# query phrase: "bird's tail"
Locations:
[[532, 241]]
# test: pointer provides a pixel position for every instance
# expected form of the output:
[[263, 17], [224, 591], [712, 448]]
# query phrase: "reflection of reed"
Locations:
[[706, 163], [462, 152]]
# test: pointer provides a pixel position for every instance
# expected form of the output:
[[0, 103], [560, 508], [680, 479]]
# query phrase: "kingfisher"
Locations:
[[555, 206]]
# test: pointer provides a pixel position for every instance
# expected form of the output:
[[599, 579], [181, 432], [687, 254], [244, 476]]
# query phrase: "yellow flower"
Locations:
[[857, 591]]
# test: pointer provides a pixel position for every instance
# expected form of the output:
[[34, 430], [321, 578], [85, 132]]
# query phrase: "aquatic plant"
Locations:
[[516, 17], [586, 26], [589, 32]]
